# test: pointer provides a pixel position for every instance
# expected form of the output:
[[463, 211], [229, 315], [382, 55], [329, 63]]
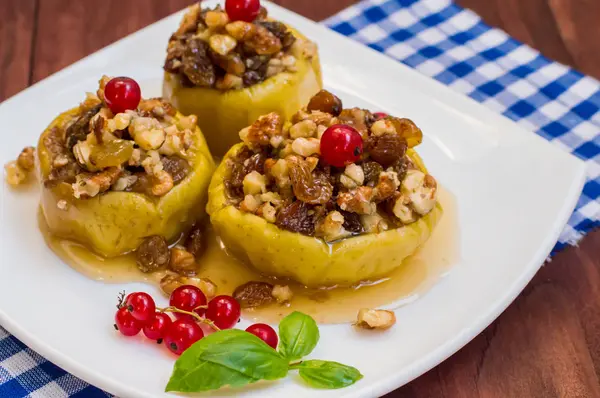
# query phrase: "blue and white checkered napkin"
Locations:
[[454, 46]]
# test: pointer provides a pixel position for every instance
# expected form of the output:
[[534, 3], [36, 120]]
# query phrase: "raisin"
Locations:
[[386, 149], [407, 130], [352, 222], [401, 166], [256, 162], [325, 101], [197, 65], [296, 217], [79, 130], [153, 254], [371, 171], [194, 243], [143, 184], [254, 294], [311, 189], [251, 78], [177, 167]]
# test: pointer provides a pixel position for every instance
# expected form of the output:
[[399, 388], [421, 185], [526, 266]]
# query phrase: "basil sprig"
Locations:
[[236, 358]]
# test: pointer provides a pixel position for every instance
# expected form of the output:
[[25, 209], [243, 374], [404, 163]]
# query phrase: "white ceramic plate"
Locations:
[[514, 190]]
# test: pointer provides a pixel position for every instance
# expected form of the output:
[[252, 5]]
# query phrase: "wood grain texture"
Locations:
[[547, 343], [16, 36]]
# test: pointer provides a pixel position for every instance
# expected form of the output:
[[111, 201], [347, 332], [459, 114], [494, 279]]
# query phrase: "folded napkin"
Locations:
[[452, 45]]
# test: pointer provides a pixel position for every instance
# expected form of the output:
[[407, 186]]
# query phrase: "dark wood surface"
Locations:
[[547, 343]]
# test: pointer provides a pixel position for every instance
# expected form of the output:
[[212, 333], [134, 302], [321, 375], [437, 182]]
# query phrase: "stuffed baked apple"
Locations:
[[333, 197], [230, 66], [118, 169]]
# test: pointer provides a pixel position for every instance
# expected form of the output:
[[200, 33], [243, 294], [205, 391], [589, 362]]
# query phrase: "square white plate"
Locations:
[[515, 192]]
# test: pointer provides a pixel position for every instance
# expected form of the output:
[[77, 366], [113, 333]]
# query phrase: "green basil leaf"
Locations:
[[226, 358], [327, 374], [298, 336]]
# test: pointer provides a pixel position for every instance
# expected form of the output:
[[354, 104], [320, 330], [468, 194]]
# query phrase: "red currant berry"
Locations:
[[181, 334], [156, 328], [121, 94], [224, 311], [380, 115], [341, 145], [242, 10], [187, 298], [126, 323], [141, 305], [264, 332]]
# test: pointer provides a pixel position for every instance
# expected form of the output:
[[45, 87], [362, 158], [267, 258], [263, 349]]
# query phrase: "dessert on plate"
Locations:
[[118, 169], [229, 66], [333, 197]]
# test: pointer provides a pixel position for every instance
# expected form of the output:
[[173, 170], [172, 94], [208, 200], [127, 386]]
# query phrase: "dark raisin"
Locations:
[[143, 184], [352, 222], [296, 217], [386, 149], [401, 166], [371, 171], [251, 78], [79, 130], [254, 294], [197, 65], [177, 167], [194, 243], [325, 101], [153, 254], [255, 163]]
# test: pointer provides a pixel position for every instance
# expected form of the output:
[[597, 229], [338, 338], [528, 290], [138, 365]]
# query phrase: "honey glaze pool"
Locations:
[[415, 276]]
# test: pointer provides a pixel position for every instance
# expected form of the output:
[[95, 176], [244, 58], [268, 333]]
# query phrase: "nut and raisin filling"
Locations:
[[145, 150], [280, 174], [209, 50]]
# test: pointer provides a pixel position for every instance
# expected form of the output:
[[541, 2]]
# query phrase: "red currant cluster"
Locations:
[[188, 304]]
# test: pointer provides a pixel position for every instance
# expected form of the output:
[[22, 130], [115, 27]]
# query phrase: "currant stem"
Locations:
[[197, 317]]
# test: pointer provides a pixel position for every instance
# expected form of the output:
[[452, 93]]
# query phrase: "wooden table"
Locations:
[[547, 343]]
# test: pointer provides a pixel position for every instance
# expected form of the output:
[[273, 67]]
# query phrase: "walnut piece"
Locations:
[[172, 281], [182, 262], [254, 294], [282, 293], [375, 319], [26, 159]]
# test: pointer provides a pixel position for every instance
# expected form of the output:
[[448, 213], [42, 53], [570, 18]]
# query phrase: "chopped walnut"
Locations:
[[268, 212], [222, 44], [190, 20], [305, 128], [254, 183], [182, 262], [383, 126], [282, 293], [421, 190], [306, 146], [332, 227], [229, 82], [124, 182], [147, 133], [263, 42], [15, 175], [374, 223], [402, 211], [353, 176], [171, 281], [216, 19], [250, 204], [62, 204], [163, 183], [375, 319], [260, 132], [386, 186], [25, 160], [240, 30], [89, 185], [357, 201]]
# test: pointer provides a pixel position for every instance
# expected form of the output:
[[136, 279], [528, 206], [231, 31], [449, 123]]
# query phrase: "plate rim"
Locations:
[[418, 367]]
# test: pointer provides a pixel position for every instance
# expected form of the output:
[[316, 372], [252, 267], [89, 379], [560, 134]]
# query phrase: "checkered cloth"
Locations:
[[452, 45]]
